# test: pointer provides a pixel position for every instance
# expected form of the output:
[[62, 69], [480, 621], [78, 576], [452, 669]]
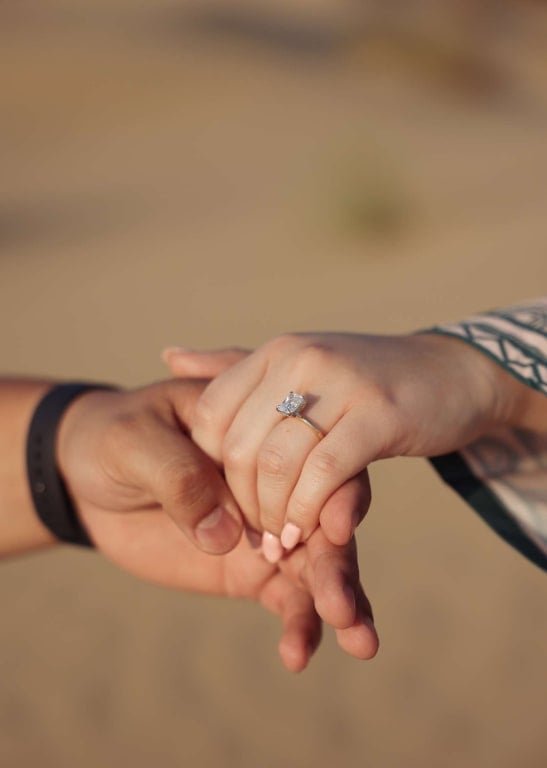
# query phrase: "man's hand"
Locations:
[[129, 452], [317, 581]]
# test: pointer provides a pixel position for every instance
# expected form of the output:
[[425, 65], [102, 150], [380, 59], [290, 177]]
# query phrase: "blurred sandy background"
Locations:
[[217, 171]]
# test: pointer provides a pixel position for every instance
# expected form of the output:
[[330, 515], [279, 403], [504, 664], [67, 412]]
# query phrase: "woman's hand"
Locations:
[[372, 397]]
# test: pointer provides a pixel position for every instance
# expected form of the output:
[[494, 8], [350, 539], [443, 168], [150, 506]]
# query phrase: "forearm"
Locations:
[[20, 528]]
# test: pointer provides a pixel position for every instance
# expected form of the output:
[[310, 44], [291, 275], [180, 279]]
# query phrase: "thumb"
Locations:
[[189, 487], [189, 363]]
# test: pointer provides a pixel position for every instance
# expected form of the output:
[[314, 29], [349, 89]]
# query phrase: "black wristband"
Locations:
[[51, 499]]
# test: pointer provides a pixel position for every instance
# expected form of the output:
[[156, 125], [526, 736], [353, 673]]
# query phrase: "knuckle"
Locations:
[[325, 462], [235, 453], [272, 462], [301, 509], [281, 344], [185, 484], [315, 356], [237, 351]]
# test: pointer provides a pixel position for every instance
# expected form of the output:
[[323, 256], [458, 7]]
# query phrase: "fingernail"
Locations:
[[211, 520], [254, 537], [168, 351], [219, 532], [290, 536], [271, 547], [370, 623]]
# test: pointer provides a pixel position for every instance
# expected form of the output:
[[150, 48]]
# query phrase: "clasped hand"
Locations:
[[144, 467], [158, 506]]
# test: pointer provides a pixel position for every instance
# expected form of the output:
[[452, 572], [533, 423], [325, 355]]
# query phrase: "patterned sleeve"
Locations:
[[503, 475]]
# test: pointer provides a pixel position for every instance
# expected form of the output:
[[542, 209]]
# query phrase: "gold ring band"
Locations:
[[318, 433]]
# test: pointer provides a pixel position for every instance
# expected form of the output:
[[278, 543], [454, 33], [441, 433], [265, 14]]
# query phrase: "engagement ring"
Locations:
[[292, 406]]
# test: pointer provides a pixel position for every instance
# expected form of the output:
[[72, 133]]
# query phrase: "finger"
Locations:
[[280, 460], [190, 363], [237, 454], [339, 596], [361, 638], [301, 624], [330, 573], [187, 484], [333, 573], [344, 452], [255, 419], [301, 632], [341, 514], [184, 395], [345, 509], [221, 401]]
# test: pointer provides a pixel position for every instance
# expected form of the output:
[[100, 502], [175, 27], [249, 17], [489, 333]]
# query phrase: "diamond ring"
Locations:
[[292, 406]]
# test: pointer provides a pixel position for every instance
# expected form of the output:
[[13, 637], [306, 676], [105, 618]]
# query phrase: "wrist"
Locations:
[[504, 399], [72, 425], [50, 493], [526, 408]]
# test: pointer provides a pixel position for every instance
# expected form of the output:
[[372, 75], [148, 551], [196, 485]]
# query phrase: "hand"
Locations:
[[126, 459], [372, 397], [130, 452], [147, 545]]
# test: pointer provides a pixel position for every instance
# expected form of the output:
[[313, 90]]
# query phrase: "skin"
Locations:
[[143, 490], [373, 397]]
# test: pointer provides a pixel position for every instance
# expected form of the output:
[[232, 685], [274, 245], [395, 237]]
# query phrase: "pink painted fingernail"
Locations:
[[290, 536], [271, 547]]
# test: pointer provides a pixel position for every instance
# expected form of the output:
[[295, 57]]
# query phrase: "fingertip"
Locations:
[[271, 547], [296, 648], [360, 640], [291, 535], [335, 601], [338, 530], [294, 654], [170, 352]]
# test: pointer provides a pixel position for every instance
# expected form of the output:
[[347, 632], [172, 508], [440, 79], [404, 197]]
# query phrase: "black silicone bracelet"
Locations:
[[51, 499]]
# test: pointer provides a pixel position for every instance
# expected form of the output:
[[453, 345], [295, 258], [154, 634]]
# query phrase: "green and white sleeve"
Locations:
[[503, 475]]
